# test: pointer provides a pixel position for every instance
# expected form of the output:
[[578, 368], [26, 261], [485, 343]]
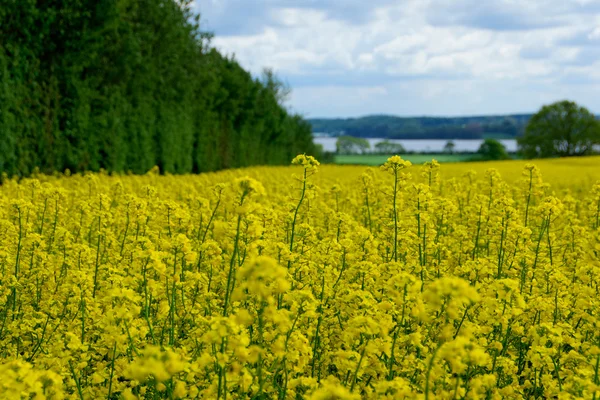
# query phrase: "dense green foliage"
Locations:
[[560, 129], [129, 84], [384, 126], [492, 149]]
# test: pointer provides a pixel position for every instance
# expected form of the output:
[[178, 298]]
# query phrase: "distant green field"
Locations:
[[377, 159]]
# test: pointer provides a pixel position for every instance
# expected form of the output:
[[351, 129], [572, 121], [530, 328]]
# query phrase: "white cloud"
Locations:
[[295, 17], [595, 34], [454, 55]]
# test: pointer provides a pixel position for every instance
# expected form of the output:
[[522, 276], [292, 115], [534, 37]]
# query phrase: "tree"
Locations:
[[351, 145], [560, 129], [280, 89], [492, 149], [449, 147], [387, 147]]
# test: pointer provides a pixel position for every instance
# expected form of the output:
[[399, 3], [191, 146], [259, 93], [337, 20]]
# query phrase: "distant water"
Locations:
[[425, 145]]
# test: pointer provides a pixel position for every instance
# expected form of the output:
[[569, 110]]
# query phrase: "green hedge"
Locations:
[[128, 84]]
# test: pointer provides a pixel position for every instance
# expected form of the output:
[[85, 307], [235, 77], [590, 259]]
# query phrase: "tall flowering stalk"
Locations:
[[247, 187], [394, 165], [309, 167]]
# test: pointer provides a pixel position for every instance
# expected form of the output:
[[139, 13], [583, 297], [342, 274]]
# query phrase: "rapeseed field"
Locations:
[[473, 280]]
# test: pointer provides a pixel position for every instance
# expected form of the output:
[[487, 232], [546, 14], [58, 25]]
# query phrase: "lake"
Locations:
[[424, 145]]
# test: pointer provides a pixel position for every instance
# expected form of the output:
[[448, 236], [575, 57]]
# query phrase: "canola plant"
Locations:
[[303, 282]]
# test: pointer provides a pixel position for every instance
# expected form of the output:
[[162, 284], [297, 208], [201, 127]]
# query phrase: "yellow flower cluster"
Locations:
[[445, 282]]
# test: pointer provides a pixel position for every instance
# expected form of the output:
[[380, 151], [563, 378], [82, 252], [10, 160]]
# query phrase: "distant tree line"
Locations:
[[352, 145], [560, 129], [490, 149], [125, 85], [390, 127]]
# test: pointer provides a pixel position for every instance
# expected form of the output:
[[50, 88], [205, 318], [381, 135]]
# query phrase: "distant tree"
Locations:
[[387, 147], [492, 149], [280, 89], [344, 145], [351, 145], [560, 129], [449, 147], [363, 145]]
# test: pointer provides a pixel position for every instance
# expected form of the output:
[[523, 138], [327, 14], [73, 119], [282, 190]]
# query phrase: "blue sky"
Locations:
[[345, 58]]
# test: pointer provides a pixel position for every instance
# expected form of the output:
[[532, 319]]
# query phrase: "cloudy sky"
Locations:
[[346, 58]]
